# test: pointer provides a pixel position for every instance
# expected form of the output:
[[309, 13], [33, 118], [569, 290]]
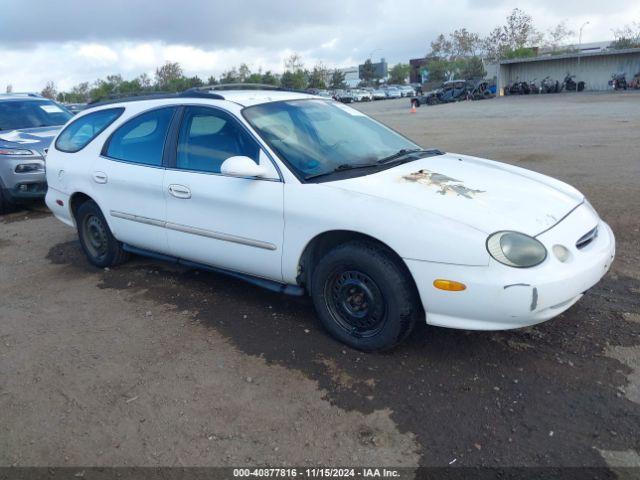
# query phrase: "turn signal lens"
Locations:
[[450, 285]]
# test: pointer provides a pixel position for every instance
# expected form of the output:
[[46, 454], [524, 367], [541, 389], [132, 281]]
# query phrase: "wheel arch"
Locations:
[[323, 242]]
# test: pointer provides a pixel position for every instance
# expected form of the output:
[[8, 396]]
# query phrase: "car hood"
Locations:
[[37, 139], [486, 195]]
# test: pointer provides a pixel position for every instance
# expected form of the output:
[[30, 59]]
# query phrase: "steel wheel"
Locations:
[[95, 236], [355, 302]]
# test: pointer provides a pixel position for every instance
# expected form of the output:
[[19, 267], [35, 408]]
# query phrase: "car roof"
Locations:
[[20, 96], [242, 96], [255, 97]]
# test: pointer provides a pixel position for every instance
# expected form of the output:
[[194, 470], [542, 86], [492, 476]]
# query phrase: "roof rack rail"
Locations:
[[242, 86], [236, 86], [21, 94], [136, 97]]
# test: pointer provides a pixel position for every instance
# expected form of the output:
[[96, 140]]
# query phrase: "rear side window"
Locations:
[[80, 132], [141, 139]]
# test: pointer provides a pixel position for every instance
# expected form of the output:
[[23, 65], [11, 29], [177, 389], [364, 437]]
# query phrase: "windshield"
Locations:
[[17, 114], [316, 137]]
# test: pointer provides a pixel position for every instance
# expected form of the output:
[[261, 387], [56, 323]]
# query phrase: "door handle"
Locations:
[[100, 177], [180, 191]]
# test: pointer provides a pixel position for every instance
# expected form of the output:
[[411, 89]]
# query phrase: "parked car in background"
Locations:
[[361, 95], [75, 107], [344, 96], [407, 90], [379, 94], [28, 123], [393, 92], [304, 195]]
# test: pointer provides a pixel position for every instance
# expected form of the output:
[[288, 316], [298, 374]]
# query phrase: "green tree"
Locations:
[[627, 37], [516, 34], [368, 72], [337, 80], [317, 77], [269, 78], [294, 76], [49, 91], [557, 36], [294, 80], [230, 76], [168, 75], [212, 80], [472, 68], [399, 73]]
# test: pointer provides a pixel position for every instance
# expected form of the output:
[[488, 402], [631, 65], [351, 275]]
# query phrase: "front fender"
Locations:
[[313, 209]]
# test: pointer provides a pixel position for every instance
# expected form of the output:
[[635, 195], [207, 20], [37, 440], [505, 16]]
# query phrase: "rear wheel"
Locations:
[[364, 297], [100, 246]]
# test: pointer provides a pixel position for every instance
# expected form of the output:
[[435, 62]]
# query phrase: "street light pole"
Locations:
[[580, 40]]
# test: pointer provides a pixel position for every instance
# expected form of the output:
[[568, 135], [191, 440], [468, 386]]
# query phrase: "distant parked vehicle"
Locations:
[[393, 92], [379, 94], [407, 90], [570, 85], [635, 83], [28, 123], [451, 91], [533, 87], [75, 107], [361, 95], [619, 81], [344, 96], [547, 85]]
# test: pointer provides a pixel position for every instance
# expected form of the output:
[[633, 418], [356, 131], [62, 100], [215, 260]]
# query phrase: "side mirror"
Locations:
[[241, 166]]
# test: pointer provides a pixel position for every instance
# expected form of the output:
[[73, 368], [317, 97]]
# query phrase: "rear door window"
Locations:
[[79, 133], [141, 139]]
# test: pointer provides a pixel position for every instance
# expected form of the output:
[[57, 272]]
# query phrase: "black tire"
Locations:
[[99, 245], [364, 297], [6, 206], [415, 103]]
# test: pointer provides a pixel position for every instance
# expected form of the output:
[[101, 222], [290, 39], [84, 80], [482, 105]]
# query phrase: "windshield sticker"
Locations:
[[349, 110], [445, 184], [51, 108]]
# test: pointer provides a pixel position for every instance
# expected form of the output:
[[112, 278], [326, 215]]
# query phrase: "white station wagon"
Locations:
[[302, 194]]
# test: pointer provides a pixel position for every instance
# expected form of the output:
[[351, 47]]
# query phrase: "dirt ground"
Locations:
[[149, 364]]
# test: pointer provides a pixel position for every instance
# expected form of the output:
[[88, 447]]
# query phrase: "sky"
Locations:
[[71, 41]]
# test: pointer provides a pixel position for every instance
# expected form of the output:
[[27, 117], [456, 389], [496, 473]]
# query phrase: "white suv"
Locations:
[[302, 194]]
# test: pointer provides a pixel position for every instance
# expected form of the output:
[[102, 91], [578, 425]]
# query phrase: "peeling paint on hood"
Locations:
[[483, 194], [444, 183]]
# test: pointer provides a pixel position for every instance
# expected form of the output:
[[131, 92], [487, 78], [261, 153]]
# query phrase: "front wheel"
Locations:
[[364, 297], [97, 241], [6, 205], [415, 103]]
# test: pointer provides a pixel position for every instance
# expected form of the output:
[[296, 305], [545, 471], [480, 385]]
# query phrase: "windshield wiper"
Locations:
[[340, 168], [402, 153]]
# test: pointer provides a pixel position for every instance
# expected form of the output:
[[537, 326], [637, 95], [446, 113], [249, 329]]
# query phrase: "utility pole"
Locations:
[[580, 41]]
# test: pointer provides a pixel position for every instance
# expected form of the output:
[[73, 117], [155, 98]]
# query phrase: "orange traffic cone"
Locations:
[[413, 108]]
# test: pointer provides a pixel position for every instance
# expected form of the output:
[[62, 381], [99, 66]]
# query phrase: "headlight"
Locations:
[[516, 249], [15, 151]]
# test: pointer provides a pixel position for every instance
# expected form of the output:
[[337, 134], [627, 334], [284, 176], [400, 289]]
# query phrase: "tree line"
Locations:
[[459, 54]]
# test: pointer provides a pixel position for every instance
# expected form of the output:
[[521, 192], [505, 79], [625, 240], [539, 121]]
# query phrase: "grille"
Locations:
[[587, 238]]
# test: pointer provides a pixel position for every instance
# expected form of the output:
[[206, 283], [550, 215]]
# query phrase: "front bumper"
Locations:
[[22, 186], [498, 297]]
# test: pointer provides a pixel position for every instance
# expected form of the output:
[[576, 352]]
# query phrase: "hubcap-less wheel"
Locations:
[[95, 236], [355, 302]]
